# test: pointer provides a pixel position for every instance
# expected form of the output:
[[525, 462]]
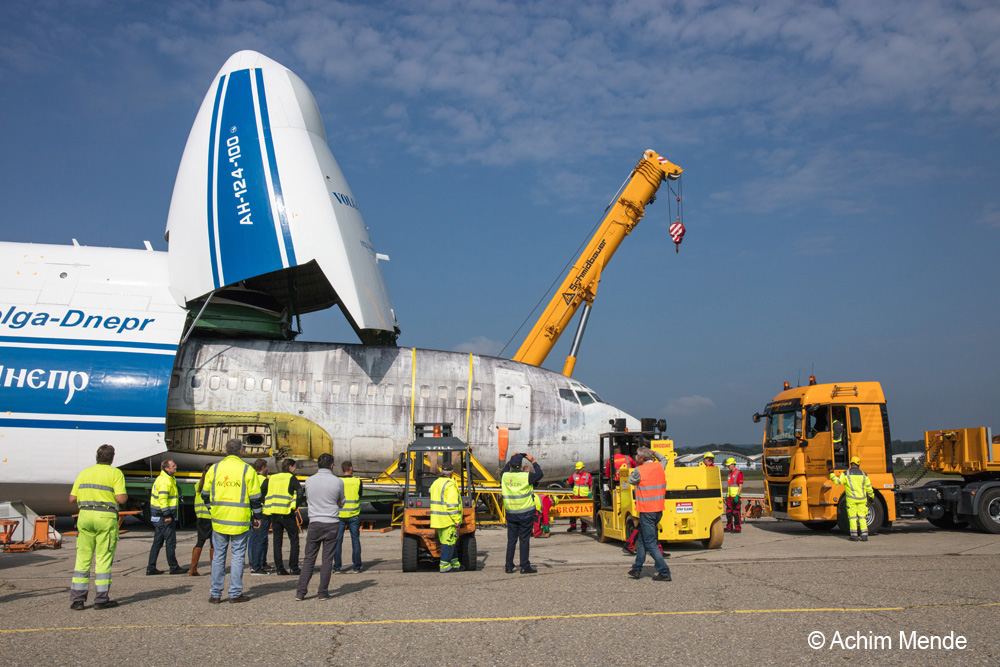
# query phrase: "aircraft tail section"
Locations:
[[261, 205]]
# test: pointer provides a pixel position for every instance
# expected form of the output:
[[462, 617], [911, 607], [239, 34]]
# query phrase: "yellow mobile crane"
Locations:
[[580, 285]]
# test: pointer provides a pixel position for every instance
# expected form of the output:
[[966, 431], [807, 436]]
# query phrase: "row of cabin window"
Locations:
[[354, 389], [584, 397]]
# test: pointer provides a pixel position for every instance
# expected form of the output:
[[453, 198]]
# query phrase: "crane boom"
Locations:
[[580, 285]]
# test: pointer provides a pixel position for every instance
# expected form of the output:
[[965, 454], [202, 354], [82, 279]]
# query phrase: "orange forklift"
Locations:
[[434, 444]]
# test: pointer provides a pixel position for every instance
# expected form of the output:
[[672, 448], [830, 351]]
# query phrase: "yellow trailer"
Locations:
[[693, 507]]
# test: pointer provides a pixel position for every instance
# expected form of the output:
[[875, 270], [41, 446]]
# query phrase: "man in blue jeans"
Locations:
[[650, 483], [350, 518], [258, 535]]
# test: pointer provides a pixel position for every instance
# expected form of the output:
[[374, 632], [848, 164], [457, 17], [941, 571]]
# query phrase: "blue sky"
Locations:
[[841, 186]]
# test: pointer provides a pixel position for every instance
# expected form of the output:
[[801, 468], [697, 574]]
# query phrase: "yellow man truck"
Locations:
[[693, 507], [814, 430]]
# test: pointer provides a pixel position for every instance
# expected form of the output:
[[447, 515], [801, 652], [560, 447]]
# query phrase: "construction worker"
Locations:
[[859, 491], [232, 492], [203, 520], [542, 525], [446, 516], [258, 538], [616, 462], [517, 486], [581, 482], [163, 503], [837, 436], [708, 460], [350, 518], [734, 493], [97, 492], [280, 501], [650, 483]]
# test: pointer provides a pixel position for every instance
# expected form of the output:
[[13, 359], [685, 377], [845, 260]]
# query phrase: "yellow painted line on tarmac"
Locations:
[[504, 619]]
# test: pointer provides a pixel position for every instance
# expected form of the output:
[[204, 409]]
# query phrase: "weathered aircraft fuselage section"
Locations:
[[360, 402]]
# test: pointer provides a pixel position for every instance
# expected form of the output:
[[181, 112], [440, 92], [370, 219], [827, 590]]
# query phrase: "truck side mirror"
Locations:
[[401, 464], [798, 434], [756, 417]]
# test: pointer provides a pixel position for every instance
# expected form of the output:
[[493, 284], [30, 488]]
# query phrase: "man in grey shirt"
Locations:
[[325, 495]]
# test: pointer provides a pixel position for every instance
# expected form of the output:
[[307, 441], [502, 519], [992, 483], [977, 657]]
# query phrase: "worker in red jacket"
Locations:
[[581, 481], [734, 492]]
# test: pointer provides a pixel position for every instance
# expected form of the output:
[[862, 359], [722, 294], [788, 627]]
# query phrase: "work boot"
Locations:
[[195, 557], [110, 604], [76, 606], [571, 529], [152, 571], [854, 538], [864, 538], [178, 570]]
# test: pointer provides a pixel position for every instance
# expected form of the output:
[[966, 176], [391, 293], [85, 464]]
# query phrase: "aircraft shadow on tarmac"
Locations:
[[155, 594], [42, 593], [797, 528]]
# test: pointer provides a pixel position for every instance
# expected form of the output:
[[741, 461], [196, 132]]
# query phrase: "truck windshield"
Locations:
[[781, 427]]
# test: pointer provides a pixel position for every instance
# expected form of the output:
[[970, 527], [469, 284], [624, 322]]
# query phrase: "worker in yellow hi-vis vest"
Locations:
[[97, 493], [446, 516], [350, 518], [858, 489]]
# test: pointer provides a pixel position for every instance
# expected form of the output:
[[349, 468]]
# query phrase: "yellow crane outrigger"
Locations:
[[580, 285]]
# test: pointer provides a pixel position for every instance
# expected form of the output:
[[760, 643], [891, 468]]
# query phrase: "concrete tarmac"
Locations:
[[915, 596]]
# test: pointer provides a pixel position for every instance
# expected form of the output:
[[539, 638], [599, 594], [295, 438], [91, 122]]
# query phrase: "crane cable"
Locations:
[[574, 256]]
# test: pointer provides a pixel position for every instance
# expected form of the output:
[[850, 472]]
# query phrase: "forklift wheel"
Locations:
[[409, 554], [716, 534], [602, 536], [467, 553]]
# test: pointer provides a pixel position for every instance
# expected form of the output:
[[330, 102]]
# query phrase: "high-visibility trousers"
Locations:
[[96, 540], [857, 516]]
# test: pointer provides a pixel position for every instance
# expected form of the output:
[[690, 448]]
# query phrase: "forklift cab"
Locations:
[[433, 444], [608, 479]]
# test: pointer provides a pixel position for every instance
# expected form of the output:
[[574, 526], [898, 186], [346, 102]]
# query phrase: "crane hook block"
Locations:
[[677, 234]]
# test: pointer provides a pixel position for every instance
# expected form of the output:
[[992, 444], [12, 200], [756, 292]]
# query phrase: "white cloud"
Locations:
[[990, 215], [687, 406], [480, 345]]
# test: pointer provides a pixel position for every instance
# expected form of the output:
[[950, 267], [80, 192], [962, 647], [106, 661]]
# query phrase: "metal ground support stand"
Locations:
[[753, 506]]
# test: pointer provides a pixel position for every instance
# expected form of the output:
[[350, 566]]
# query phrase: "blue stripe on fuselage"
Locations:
[[81, 342], [213, 251], [82, 425], [248, 244], [75, 382], [286, 234]]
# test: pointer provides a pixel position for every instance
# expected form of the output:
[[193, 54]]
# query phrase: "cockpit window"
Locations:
[[584, 397], [597, 398], [567, 395]]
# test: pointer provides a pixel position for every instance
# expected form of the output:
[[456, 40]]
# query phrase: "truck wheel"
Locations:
[[716, 534], [876, 517], [988, 517], [468, 553], [409, 554]]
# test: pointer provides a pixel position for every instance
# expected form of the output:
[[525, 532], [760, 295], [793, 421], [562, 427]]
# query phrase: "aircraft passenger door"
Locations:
[[513, 403]]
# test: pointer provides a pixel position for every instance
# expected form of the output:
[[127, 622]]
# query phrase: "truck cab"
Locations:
[[814, 430]]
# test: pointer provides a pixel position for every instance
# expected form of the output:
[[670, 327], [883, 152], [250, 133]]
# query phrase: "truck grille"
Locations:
[[779, 497], [777, 466]]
